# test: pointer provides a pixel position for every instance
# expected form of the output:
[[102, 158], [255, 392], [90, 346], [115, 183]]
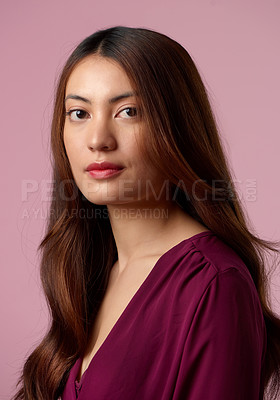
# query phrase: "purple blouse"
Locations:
[[194, 330]]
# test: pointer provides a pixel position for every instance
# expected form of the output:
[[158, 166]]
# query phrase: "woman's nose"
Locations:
[[101, 135]]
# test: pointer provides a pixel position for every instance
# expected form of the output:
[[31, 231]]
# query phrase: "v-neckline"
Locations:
[[132, 300]]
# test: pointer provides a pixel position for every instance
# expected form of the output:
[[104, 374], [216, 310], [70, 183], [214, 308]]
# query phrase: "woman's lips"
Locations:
[[103, 165], [104, 169], [104, 173]]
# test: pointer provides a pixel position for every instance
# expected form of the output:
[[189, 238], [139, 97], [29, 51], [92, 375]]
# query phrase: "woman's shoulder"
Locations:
[[215, 277], [207, 249], [205, 260], [207, 280]]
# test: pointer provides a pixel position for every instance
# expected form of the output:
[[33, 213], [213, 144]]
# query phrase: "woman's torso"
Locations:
[[193, 330]]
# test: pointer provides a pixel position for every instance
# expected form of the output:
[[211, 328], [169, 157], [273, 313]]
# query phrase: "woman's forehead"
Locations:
[[97, 67], [97, 75]]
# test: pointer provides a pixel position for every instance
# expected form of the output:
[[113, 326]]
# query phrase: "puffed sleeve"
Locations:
[[225, 344]]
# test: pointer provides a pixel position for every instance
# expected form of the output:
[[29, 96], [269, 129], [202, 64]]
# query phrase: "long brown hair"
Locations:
[[78, 249]]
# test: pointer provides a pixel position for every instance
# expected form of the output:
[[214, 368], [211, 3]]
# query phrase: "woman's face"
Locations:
[[103, 124]]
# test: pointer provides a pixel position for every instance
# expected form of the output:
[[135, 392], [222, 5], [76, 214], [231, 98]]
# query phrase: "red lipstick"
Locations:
[[103, 169]]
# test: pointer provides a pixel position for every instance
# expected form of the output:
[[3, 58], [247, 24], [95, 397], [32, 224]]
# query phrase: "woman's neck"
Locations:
[[143, 230]]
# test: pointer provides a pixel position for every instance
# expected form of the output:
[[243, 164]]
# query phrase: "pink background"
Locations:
[[235, 45]]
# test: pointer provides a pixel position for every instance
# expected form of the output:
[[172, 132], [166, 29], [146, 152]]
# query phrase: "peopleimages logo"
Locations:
[[124, 192], [129, 190]]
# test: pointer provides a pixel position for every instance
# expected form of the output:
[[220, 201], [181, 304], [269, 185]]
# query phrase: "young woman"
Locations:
[[156, 286]]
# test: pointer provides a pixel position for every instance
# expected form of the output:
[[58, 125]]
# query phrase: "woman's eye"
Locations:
[[129, 112], [77, 115]]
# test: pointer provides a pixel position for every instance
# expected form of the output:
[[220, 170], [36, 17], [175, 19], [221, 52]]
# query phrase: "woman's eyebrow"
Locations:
[[110, 101], [122, 96], [76, 97]]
